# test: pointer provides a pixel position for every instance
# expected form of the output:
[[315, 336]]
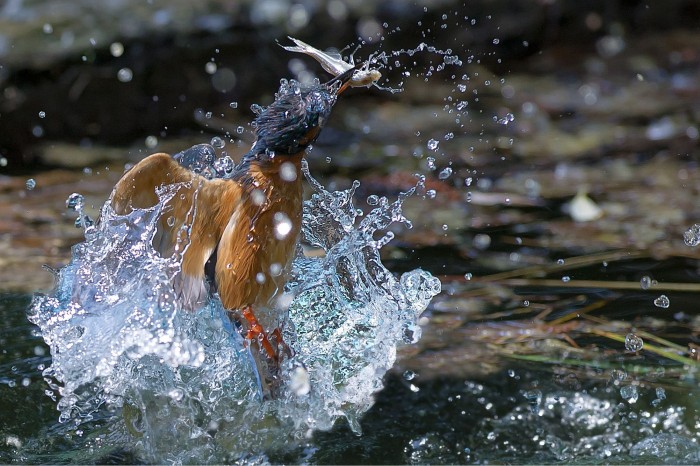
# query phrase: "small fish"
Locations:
[[364, 76]]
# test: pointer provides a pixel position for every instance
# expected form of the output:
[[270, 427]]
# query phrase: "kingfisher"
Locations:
[[236, 235]]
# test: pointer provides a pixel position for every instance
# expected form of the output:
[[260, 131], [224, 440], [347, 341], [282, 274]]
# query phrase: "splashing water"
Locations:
[[181, 386], [586, 428], [692, 235]]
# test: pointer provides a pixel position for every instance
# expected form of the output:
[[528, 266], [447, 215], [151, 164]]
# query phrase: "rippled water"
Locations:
[[499, 418]]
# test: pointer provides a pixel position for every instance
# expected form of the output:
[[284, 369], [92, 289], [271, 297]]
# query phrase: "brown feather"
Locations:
[[226, 219], [250, 246]]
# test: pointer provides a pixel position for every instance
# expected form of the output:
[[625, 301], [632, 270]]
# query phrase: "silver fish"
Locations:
[[364, 76]]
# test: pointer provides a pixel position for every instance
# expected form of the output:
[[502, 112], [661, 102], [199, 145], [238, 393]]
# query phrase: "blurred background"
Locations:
[[89, 86], [112, 72], [559, 140]]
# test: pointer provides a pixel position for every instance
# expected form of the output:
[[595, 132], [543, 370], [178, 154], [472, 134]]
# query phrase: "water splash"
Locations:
[[126, 352], [580, 427]]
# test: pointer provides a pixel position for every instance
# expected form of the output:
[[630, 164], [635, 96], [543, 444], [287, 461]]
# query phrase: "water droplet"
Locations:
[[151, 142], [75, 202], [217, 142], [468, 276], [566, 279], [560, 261], [496, 41], [610, 45], [288, 172], [430, 161], [645, 282], [42, 114], [210, 67], [508, 118], [433, 144], [629, 393], [633, 342], [445, 173], [260, 278], [283, 225], [692, 236], [409, 375], [275, 269], [30, 184], [481, 241], [431, 194], [660, 393], [116, 49], [48, 28], [125, 75], [258, 197], [373, 199], [176, 394], [662, 301], [224, 166], [233, 105], [239, 130]]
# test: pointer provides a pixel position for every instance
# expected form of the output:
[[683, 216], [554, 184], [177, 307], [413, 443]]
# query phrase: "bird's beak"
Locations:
[[342, 88], [342, 81]]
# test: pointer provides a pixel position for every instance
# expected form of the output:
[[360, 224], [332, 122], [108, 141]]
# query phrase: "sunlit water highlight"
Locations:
[[181, 386]]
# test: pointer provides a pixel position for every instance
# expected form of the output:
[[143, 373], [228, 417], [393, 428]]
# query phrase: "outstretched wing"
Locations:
[[189, 223]]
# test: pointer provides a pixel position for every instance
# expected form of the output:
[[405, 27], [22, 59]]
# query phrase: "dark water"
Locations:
[[513, 412]]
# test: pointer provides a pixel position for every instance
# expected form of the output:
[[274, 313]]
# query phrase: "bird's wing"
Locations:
[[137, 187], [188, 220], [235, 263]]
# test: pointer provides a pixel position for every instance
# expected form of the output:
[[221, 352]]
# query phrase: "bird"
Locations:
[[237, 235]]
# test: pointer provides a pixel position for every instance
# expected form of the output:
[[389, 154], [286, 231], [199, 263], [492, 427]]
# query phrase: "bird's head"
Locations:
[[294, 120]]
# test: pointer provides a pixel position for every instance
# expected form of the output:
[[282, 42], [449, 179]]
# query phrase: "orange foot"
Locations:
[[255, 332]]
